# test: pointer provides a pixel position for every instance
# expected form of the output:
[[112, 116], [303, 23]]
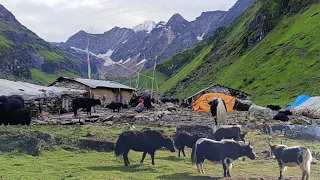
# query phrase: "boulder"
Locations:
[[311, 133], [259, 111], [242, 105]]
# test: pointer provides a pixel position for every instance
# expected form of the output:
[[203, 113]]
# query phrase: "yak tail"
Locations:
[[194, 151], [120, 146], [221, 112]]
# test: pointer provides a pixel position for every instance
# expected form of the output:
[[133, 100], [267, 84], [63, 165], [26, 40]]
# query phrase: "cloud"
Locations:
[[57, 20]]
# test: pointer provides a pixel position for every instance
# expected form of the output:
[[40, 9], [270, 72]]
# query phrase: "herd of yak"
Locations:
[[227, 146]]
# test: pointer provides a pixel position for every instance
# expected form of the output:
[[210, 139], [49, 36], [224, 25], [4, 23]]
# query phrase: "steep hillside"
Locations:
[[23, 55], [135, 48], [270, 52]]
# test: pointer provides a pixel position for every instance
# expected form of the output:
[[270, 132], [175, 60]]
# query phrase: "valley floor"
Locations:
[[65, 161]]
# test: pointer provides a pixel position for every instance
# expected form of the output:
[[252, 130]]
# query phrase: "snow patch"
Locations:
[[126, 61], [145, 26], [82, 50], [124, 41], [108, 54], [141, 62], [200, 38]]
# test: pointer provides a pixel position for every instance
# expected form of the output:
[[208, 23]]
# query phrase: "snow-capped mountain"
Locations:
[[126, 51], [147, 26]]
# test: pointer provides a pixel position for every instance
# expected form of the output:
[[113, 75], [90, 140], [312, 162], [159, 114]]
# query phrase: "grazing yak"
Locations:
[[225, 152], [186, 139], [114, 106], [218, 110], [274, 107], [142, 141], [292, 157], [13, 111], [229, 133], [84, 103]]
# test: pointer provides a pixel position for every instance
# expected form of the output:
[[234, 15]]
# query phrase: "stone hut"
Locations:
[[48, 99], [217, 88], [107, 91]]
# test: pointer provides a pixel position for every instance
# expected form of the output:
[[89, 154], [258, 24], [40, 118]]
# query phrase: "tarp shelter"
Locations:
[[310, 108], [202, 105], [31, 91], [300, 100]]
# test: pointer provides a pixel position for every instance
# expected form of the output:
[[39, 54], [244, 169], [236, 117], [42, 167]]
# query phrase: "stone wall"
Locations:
[[221, 89]]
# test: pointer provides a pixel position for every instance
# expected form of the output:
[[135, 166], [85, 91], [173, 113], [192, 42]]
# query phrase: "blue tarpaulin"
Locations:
[[300, 99]]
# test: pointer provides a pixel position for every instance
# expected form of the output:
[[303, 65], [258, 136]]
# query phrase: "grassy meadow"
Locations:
[[58, 163]]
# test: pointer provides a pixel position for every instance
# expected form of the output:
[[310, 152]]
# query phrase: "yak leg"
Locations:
[[224, 169], [215, 120], [143, 156], [179, 152], [183, 152], [125, 158], [201, 166], [152, 157], [198, 168], [282, 169], [229, 166]]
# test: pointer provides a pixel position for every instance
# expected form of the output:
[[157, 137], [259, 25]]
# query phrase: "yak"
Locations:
[[114, 106], [218, 110], [142, 141], [274, 107], [292, 157], [230, 133], [84, 103], [225, 152], [186, 139]]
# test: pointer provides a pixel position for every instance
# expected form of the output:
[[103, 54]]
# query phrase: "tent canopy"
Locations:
[[202, 105], [300, 100]]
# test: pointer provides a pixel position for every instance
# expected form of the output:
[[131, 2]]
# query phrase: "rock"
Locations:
[[108, 123], [108, 118], [97, 145], [259, 111], [128, 116], [301, 120], [314, 161], [90, 134], [159, 114], [171, 109], [311, 133], [242, 105], [167, 113]]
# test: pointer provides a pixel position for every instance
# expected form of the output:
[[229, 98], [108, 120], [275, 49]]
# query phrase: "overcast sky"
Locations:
[[57, 20]]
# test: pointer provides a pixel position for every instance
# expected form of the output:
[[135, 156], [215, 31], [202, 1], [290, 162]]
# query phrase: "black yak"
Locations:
[[225, 152], [286, 112], [16, 117], [142, 141], [292, 157], [229, 133], [281, 116], [84, 103], [114, 106], [218, 110], [274, 107], [186, 139]]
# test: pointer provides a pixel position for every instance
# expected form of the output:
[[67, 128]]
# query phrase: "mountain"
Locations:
[[123, 48], [25, 56], [270, 52]]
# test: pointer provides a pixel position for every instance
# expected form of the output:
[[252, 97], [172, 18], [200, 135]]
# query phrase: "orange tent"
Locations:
[[202, 105]]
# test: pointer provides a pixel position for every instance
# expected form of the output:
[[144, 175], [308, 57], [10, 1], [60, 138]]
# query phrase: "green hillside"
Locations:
[[284, 64], [25, 56]]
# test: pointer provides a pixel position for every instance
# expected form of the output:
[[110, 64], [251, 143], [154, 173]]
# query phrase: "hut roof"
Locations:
[[98, 83], [31, 91]]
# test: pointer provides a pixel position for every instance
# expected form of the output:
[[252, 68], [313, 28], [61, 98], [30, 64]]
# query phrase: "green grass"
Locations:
[[61, 164], [51, 56], [168, 68], [275, 71], [41, 78], [4, 43]]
